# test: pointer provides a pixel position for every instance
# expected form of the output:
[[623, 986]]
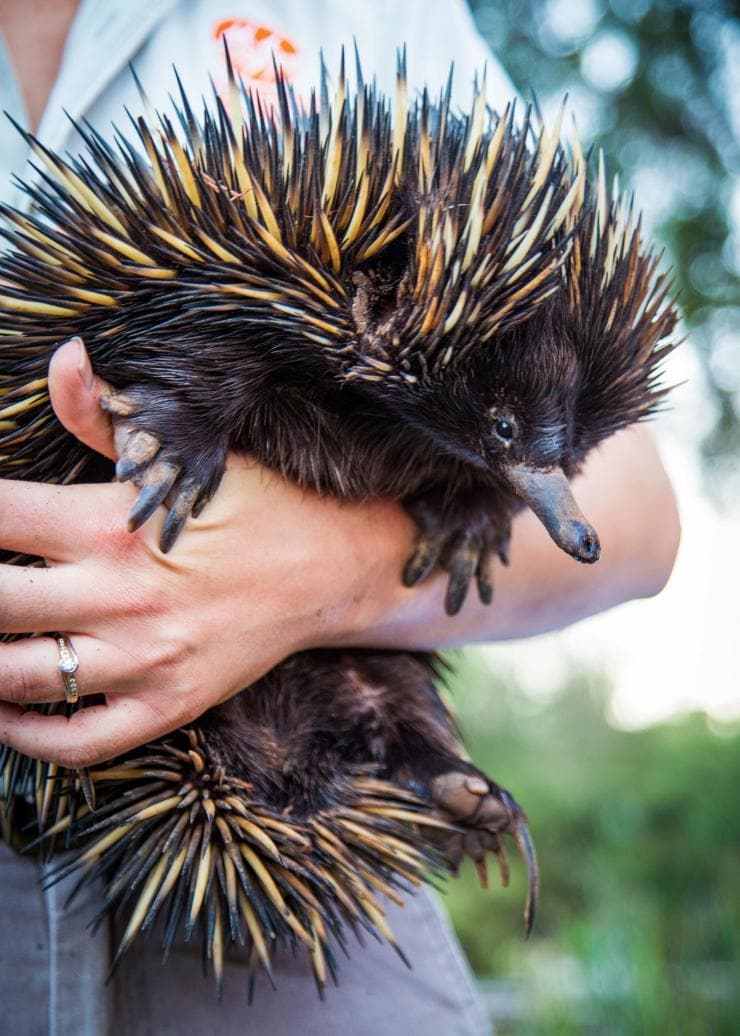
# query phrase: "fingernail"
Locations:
[[83, 364]]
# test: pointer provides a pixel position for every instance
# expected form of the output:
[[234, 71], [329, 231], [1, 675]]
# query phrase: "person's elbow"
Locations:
[[628, 495], [663, 546], [654, 522]]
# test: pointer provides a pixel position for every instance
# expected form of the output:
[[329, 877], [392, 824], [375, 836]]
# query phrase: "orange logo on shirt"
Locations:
[[251, 47]]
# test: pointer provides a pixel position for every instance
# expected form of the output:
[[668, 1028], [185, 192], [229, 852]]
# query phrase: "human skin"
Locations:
[[34, 33], [265, 571]]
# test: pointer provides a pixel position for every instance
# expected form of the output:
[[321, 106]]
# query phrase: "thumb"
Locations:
[[75, 395]]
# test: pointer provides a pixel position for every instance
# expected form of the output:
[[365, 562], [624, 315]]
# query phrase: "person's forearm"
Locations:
[[624, 491]]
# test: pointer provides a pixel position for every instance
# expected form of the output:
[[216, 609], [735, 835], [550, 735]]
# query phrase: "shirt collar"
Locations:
[[103, 38]]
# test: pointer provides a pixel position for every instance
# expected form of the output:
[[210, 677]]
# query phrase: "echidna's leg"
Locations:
[[389, 710], [463, 535], [484, 812], [170, 455]]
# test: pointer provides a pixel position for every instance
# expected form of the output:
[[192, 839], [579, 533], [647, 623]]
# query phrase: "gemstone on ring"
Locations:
[[68, 666]]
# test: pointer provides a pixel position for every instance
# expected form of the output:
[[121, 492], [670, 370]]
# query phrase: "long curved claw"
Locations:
[[179, 513], [156, 484], [463, 539], [423, 560], [461, 568], [525, 845], [165, 467], [484, 575]]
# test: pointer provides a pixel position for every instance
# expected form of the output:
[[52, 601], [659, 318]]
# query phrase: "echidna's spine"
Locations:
[[270, 217], [178, 840], [617, 302]]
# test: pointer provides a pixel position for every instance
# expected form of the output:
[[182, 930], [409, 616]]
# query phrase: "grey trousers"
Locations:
[[53, 972]]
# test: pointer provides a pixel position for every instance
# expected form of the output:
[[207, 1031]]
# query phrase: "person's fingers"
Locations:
[[36, 518], [90, 735], [29, 669], [61, 523], [35, 599], [75, 395]]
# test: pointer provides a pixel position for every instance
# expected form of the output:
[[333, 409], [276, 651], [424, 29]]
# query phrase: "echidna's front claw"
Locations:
[[463, 537], [149, 433], [423, 561], [154, 486], [484, 575], [460, 560], [137, 451], [182, 507]]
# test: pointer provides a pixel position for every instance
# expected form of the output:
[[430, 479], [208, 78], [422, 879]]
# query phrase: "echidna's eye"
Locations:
[[504, 429]]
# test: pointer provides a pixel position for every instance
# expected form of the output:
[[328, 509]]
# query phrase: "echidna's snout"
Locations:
[[549, 495], [585, 543]]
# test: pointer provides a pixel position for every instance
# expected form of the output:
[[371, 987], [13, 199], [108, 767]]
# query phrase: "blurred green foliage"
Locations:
[[657, 85], [638, 835]]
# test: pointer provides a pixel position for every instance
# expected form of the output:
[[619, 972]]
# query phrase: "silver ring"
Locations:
[[68, 666]]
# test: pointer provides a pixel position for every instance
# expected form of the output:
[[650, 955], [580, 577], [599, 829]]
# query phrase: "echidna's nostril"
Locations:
[[589, 548]]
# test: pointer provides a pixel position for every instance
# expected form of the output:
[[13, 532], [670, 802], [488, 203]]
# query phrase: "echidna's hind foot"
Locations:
[[463, 536], [168, 454], [483, 812]]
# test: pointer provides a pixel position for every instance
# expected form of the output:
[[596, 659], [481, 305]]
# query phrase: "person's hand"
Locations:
[[265, 571]]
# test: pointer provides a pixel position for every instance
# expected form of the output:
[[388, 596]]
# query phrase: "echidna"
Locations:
[[442, 310]]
